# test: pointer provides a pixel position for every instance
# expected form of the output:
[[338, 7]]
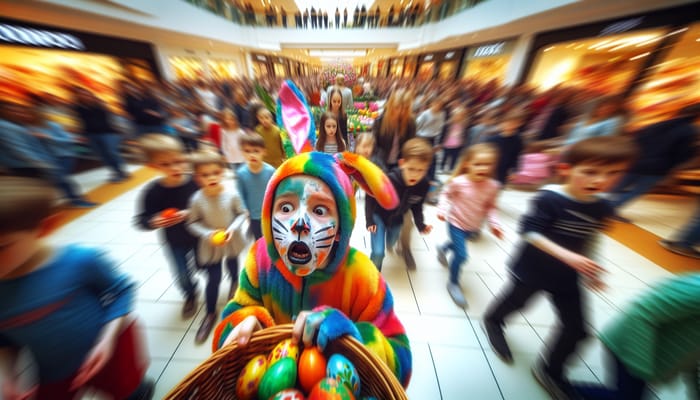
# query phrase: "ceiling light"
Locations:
[[337, 53], [639, 56]]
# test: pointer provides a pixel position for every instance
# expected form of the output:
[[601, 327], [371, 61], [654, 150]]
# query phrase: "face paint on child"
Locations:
[[304, 223]]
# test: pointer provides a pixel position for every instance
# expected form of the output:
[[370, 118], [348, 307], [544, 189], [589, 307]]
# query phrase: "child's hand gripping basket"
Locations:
[[216, 377]]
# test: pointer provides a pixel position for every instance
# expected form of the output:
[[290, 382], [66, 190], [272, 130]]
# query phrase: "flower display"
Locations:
[[331, 70]]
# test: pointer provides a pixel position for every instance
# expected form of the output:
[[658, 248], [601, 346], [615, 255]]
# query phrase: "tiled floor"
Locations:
[[451, 358]]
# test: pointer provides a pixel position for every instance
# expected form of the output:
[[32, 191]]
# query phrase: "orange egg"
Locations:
[[218, 238], [312, 368], [169, 212]]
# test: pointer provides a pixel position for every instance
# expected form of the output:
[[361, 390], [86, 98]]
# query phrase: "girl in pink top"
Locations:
[[467, 199]]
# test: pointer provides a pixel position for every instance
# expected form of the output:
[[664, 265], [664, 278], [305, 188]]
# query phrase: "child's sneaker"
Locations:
[[499, 345], [189, 307], [408, 258], [557, 387], [442, 256], [679, 248], [456, 293]]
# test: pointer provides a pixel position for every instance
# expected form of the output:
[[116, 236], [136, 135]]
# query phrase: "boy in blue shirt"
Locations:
[[67, 305], [252, 178], [558, 232]]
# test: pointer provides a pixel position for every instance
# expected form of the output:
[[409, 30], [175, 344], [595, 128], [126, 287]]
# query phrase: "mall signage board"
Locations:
[[39, 37]]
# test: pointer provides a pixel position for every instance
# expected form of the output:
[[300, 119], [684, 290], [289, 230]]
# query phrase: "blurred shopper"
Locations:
[[24, 154], [101, 135], [606, 119], [665, 147]]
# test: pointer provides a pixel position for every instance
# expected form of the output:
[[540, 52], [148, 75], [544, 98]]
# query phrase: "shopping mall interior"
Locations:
[[494, 60]]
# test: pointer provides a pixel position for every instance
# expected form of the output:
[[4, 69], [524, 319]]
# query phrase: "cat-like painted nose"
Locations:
[[301, 225]]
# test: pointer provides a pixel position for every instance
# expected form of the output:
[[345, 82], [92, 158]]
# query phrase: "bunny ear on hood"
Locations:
[[295, 117], [370, 177]]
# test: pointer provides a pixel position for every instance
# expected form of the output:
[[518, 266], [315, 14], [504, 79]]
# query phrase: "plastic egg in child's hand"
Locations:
[[169, 213], [250, 377], [312, 368], [342, 370], [218, 238], [279, 376], [289, 394], [285, 348], [330, 389]]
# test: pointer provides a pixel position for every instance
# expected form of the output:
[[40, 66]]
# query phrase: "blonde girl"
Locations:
[[337, 108], [328, 139], [231, 133], [468, 198]]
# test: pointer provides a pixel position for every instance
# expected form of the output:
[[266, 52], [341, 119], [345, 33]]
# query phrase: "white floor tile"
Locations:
[[464, 373]]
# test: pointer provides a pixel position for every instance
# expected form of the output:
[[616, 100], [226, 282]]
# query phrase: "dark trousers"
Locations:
[[180, 259], [627, 387], [106, 146], [214, 279], [256, 228], [449, 158], [569, 310]]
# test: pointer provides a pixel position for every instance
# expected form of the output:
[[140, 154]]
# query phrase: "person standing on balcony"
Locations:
[[363, 16], [377, 16], [314, 18], [390, 16], [337, 18], [345, 18], [356, 17], [325, 19], [283, 12], [306, 19]]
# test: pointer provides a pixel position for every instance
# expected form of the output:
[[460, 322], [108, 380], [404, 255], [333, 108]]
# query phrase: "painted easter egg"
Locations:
[[169, 213], [330, 389], [312, 367], [289, 394], [250, 377], [279, 376], [342, 370], [218, 238], [285, 348]]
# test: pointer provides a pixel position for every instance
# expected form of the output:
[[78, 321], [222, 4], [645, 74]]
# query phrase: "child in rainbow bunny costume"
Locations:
[[304, 270]]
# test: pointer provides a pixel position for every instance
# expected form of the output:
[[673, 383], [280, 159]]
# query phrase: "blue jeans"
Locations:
[[106, 146], [382, 238], [458, 246], [179, 265], [632, 186]]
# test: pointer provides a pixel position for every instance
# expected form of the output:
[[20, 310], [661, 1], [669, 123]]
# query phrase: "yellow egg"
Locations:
[[250, 377], [218, 238], [283, 349]]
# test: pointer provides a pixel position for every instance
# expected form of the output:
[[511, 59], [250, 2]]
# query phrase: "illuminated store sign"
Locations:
[[622, 26], [489, 50], [39, 37]]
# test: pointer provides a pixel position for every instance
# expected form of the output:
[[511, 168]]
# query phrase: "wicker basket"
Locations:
[[216, 377]]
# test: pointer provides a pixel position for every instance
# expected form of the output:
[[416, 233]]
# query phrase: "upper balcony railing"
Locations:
[[243, 14]]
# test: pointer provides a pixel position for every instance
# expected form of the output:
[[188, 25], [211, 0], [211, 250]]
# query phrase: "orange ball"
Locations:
[[218, 238], [312, 368], [169, 212]]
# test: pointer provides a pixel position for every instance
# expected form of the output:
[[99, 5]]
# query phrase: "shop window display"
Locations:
[[26, 71], [604, 64], [672, 84]]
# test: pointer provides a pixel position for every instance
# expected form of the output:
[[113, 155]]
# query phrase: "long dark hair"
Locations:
[[342, 113], [322, 135]]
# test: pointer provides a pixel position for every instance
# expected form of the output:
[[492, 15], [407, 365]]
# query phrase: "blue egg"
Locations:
[[342, 370]]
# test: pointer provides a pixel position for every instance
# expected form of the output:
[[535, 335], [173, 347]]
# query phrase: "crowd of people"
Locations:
[[454, 146]]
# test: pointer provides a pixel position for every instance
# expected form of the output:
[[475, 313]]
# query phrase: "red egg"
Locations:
[[312, 368], [289, 394], [169, 213], [330, 389]]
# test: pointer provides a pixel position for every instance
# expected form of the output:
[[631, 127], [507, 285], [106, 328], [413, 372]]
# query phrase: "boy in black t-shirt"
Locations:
[[411, 185], [163, 204], [558, 231]]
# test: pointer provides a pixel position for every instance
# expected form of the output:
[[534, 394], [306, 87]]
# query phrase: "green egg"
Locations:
[[279, 376]]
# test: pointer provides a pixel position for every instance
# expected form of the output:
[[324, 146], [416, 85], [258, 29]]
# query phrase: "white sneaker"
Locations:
[[442, 256]]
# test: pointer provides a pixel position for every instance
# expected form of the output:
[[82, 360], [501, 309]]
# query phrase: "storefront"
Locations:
[[396, 67], [410, 67], [39, 59], [653, 60], [488, 62], [426, 67], [262, 65], [449, 64]]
